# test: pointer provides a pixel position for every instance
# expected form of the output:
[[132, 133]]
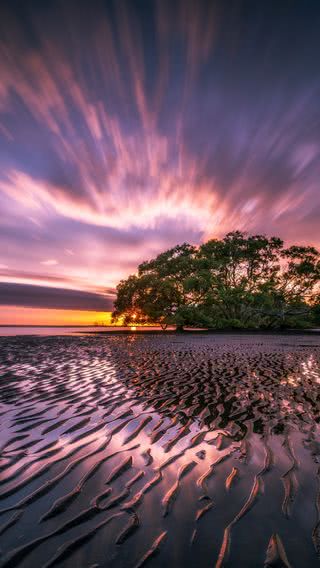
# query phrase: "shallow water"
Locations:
[[172, 450], [10, 330]]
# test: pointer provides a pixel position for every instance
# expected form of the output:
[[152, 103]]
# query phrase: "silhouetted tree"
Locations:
[[239, 281]]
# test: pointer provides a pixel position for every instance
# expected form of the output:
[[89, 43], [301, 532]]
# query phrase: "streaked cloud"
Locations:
[[135, 126], [49, 262]]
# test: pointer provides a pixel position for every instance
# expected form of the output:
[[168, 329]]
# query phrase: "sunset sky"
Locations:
[[129, 127]]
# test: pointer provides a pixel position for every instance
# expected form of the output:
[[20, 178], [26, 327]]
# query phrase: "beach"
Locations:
[[160, 449]]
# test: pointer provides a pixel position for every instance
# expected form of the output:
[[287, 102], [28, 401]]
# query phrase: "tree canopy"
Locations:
[[240, 281]]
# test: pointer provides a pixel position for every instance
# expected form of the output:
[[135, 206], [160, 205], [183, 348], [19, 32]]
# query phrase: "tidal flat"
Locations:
[[160, 450]]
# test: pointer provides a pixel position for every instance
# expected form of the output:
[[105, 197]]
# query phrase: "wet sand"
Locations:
[[191, 450]]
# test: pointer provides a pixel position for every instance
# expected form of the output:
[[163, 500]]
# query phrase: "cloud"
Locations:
[[47, 297], [127, 130], [49, 262]]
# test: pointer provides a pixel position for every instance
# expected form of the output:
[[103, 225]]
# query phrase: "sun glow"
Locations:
[[17, 315]]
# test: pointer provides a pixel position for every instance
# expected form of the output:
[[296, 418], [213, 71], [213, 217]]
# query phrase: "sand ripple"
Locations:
[[196, 450]]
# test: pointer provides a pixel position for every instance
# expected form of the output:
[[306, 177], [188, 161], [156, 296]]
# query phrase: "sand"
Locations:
[[125, 451]]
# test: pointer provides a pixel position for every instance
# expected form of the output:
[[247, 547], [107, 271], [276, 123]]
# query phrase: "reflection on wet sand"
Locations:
[[126, 451]]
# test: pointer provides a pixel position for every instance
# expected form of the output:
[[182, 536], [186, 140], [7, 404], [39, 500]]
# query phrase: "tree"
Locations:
[[315, 311], [238, 281], [158, 291]]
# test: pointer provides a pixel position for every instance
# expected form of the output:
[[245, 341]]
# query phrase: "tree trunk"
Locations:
[[179, 328]]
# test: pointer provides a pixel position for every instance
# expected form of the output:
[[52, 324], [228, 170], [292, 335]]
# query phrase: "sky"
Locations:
[[129, 127]]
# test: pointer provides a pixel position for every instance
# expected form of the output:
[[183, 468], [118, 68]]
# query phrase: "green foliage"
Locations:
[[315, 311], [237, 282]]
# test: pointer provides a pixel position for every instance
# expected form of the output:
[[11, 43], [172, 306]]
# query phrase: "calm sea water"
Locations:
[[53, 330]]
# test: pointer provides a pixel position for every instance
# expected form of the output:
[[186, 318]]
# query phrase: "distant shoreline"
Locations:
[[74, 330], [212, 331], [155, 327], [56, 326]]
